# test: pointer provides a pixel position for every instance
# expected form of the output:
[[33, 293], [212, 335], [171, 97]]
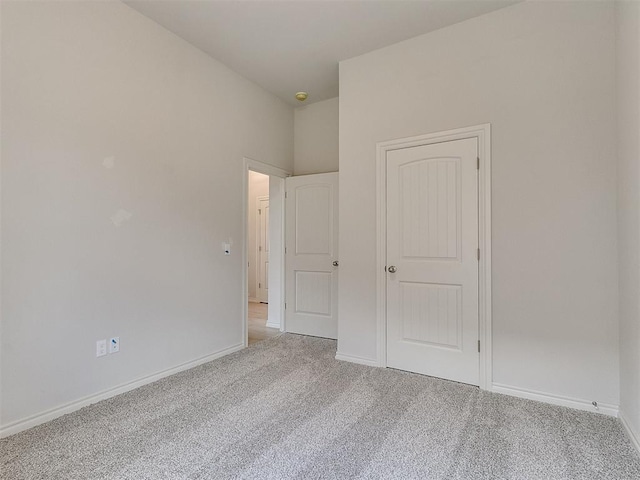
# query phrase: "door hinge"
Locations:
[[478, 254], [478, 346], [285, 194], [285, 305], [478, 165], [285, 249], [259, 211], [259, 285], [260, 248]]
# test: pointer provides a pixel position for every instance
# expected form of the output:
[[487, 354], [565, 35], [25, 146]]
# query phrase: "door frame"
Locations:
[[278, 306], [483, 135]]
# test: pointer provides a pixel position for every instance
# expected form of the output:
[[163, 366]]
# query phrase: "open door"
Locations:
[[312, 255]]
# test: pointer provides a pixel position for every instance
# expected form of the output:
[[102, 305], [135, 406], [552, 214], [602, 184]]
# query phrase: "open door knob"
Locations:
[[335, 263], [392, 269]]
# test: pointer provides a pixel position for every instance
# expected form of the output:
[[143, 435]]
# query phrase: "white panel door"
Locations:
[[312, 255], [263, 249], [432, 262]]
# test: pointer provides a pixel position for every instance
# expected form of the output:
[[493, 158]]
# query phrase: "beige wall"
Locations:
[[316, 138], [542, 73], [105, 111], [628, 69], [258, 187]]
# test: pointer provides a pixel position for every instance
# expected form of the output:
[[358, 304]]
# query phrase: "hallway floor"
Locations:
[[258, 329]]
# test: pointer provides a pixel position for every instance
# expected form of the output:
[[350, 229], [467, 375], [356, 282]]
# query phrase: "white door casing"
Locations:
[[432, 259], [262, 289], [311, 251]]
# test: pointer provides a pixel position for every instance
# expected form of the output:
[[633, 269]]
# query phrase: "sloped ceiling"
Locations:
[[287, 46]]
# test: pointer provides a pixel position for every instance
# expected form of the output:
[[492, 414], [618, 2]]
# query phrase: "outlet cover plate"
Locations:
[[101, 348]]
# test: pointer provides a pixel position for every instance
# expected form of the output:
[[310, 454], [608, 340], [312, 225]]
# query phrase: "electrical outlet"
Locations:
[[114, 345], [101, 348]]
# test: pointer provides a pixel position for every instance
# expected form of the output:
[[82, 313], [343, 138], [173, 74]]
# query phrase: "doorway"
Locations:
[[257, 230], [258, 263], [263, 252]]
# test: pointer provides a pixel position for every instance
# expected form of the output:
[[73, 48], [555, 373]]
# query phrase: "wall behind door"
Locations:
[[543, 74]]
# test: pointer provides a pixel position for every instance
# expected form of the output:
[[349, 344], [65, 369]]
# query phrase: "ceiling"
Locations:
[[288, 46]]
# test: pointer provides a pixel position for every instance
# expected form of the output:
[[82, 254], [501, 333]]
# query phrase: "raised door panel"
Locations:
[[314, 219], [430, 202], [313, 293], [431, 314]]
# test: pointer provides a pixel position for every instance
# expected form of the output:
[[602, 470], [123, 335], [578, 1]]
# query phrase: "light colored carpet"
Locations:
[[285, 408]]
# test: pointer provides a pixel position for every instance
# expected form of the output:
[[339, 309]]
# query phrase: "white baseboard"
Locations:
[[48, 415], [604, 408], [273, 324], [355, 359], [633, 436]]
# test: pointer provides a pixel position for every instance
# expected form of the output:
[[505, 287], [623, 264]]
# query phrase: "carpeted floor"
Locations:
[[285, 408]]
